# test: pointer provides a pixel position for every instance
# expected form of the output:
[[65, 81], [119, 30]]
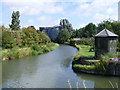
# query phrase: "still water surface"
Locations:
[[51, 70]]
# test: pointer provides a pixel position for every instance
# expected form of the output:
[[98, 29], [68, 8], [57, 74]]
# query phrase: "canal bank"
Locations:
[[86, 62], [16, 53], [50, 70]]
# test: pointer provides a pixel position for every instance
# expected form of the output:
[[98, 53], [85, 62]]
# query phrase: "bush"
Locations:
[[8, 41], [36, 47], [63, 36], [25, 37]]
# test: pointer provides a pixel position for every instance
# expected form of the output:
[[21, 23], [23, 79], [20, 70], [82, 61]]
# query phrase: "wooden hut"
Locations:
[[105, 42]]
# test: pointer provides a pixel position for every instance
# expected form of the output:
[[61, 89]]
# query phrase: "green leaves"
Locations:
[[63, 36], [26, 37], [15, 21]]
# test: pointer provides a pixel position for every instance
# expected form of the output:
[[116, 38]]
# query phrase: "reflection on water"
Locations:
[[51, 70], [101, 81]]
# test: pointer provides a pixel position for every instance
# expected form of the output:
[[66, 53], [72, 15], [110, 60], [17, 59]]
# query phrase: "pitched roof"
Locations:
[[106, 33]]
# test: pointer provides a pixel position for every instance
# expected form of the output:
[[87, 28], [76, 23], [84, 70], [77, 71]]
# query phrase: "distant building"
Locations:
[[105, 42], [52, 32], [119, 11]]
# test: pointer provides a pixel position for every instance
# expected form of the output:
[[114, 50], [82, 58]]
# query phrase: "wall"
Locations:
[[52, 32], [114, 68]]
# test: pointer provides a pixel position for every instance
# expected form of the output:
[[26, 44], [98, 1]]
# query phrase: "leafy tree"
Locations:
[[15, 24], [64, 23], [63, 36], [116, 28], [8, 40], [90, 30], [105, 24]]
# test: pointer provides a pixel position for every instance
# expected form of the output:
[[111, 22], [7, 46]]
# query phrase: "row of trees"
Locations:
[[91, 29], [67, 31]]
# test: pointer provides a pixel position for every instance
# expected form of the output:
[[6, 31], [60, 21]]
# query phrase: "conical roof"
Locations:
[[106, 33]]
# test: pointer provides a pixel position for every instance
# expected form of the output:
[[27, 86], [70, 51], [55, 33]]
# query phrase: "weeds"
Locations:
[[16, 53]]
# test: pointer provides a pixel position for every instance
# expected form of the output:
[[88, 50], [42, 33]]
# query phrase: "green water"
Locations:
[[51, 70]]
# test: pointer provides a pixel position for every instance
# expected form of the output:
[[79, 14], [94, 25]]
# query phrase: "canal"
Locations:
[[50, 70]]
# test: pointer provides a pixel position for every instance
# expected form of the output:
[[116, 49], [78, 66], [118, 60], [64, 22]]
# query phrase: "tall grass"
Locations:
[[16, 53]]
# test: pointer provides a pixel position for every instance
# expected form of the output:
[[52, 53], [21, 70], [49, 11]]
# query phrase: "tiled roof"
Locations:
[[106, 33]]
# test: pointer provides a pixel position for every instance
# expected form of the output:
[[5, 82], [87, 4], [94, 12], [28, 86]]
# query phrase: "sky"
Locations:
[[41, 13]]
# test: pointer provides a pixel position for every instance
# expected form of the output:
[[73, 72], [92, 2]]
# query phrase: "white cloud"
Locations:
[[85, 10], [46, 21], [97, 10], [31, 21], [34, 7], [80, 25]]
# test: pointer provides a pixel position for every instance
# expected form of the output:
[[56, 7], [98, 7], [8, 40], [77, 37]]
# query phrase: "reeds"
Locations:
[[77, 84], [113, 86]]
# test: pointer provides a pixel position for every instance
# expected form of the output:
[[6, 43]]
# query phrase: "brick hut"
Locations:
[[105, 42]]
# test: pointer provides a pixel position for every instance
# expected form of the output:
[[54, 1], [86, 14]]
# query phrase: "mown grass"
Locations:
[[100, 65], [16, 53], [84, 51]]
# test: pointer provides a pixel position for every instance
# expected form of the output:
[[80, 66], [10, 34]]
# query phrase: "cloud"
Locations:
[[46, 21], [80, 12], [34, 7], [97, 10], [30, 21]]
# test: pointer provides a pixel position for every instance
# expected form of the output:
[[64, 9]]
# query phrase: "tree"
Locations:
[[63, 36], [8, 40], [90, 30], [64, 23], [105, 24], [15, 23]]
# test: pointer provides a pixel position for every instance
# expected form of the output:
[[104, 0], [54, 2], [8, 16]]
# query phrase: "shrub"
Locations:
[[63, 36], [8, 40], [36, 47], [25, 37]]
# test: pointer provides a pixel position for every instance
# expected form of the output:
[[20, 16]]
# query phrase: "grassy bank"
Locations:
[[92, 65], [16, 53], [84, 51]]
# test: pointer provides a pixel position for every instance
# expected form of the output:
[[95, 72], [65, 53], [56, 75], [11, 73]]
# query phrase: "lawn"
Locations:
[[84, 51]]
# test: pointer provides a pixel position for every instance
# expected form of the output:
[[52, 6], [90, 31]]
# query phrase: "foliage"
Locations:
[[16, 53], [8, 40], [30, 37], [15, 21], [63, 36], [101, 65], [65, 24], [25, 37], [65, 31], [88, 31], [105, 24]]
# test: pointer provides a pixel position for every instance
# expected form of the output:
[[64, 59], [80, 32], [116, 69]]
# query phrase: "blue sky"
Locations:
[[49, 12]]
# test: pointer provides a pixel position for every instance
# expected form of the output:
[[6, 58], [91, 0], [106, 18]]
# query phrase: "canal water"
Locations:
[[50, 70]]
